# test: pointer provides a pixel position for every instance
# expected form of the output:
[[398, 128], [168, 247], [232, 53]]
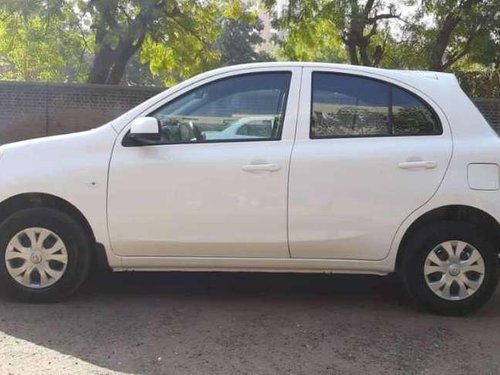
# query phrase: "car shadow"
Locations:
[[248, 322]]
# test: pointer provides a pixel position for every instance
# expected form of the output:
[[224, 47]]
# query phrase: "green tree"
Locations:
[[457, 30], [310, 34], [439, 35], [332, 30], [40, 41], [177, 39], [184, 48], [239, 40], [360, 24], [100, 39], [138, 73], [120, 28], [199, 40]]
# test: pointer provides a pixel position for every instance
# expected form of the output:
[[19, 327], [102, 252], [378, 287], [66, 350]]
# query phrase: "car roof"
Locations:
[[322, 65]]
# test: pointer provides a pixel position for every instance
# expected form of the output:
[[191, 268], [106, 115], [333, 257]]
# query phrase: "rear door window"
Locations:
[[352, 106]]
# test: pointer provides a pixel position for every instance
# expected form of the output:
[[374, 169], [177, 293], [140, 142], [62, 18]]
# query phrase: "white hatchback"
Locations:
[[295, 167]]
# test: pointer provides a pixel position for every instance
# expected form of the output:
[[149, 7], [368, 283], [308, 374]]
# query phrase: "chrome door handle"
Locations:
[[261, 168], [420, 164]]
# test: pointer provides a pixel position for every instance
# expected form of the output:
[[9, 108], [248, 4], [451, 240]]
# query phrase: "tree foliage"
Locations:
[[184, 48], [213, 34], [485, 84], [311, 34], [175, 37], [336, 30], [40, 41], [120, 28], [437, 35], [153, 41], [239, 40], [95, 40], [457, 29]]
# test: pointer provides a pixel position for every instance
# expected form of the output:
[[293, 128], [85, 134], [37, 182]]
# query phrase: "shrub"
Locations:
[[480, 84]]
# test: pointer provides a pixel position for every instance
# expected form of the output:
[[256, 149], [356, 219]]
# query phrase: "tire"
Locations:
[[63, 271], [470, 287]]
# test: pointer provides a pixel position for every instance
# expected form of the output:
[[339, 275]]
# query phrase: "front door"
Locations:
[[216, 184], [368, 153]]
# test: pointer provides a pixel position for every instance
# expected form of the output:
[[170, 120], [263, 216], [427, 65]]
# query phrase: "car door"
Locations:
[[201, 191], [368, 153]]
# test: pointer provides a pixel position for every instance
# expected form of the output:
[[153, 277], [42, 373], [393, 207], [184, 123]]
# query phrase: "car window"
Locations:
[[411, 116], [350, 106], [259, 128], [345, 105], [245, 107]]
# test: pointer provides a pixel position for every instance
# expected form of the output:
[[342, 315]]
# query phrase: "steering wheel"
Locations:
[[196, 131]]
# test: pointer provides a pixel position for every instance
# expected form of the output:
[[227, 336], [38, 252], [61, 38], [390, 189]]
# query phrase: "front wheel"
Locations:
[[44, 255], [450, 267]]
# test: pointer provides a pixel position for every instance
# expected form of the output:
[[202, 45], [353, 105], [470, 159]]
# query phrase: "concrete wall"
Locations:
[[29, 110], [490, 108]]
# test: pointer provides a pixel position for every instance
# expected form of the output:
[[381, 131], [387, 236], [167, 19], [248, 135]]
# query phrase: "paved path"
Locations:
[[202, 323]]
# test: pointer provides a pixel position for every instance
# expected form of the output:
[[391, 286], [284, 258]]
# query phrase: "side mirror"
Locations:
[[145, 130]]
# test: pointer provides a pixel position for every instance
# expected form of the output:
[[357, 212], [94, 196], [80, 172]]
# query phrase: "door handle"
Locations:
[[261, 168], [418, 164]]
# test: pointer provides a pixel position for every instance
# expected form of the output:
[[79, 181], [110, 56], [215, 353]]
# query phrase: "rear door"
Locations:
[[368, 153]]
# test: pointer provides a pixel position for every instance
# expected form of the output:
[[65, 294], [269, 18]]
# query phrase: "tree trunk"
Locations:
[[127, 50], [444, 34], [352, 52], [103, 61], [443, 39], [365, 60], [109, 65]]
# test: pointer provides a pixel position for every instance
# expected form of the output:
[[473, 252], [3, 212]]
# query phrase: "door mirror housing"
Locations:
[[145, 130]]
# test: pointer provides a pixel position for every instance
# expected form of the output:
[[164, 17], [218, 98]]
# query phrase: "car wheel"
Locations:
[[450, 267], [45, 255]]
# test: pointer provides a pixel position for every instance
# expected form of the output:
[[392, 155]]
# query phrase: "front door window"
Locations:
[[248, 107]]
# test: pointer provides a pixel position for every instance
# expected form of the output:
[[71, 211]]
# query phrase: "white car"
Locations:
[[366, 171]]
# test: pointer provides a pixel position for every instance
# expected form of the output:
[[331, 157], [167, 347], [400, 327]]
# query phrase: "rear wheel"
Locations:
[[450, 267], [45, 254]]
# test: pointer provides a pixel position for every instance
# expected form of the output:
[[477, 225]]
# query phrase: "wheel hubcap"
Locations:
[[36, 257], [454, 270]]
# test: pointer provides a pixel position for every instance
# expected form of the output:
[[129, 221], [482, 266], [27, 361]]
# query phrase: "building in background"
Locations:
[[268, 33]]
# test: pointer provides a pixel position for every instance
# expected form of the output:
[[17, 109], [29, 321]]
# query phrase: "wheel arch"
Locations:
[[462, 213], [31, 200]]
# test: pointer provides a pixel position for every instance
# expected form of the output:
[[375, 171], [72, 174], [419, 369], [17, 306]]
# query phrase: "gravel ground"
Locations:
[[214, 323]]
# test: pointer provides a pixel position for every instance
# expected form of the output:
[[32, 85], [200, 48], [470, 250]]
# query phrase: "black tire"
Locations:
[[423, 242], [77, 246]]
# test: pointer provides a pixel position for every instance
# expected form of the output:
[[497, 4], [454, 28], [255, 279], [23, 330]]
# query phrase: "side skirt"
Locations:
[[254, 265]]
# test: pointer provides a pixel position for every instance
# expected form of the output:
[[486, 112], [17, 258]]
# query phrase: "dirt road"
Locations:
[[213, 323]]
